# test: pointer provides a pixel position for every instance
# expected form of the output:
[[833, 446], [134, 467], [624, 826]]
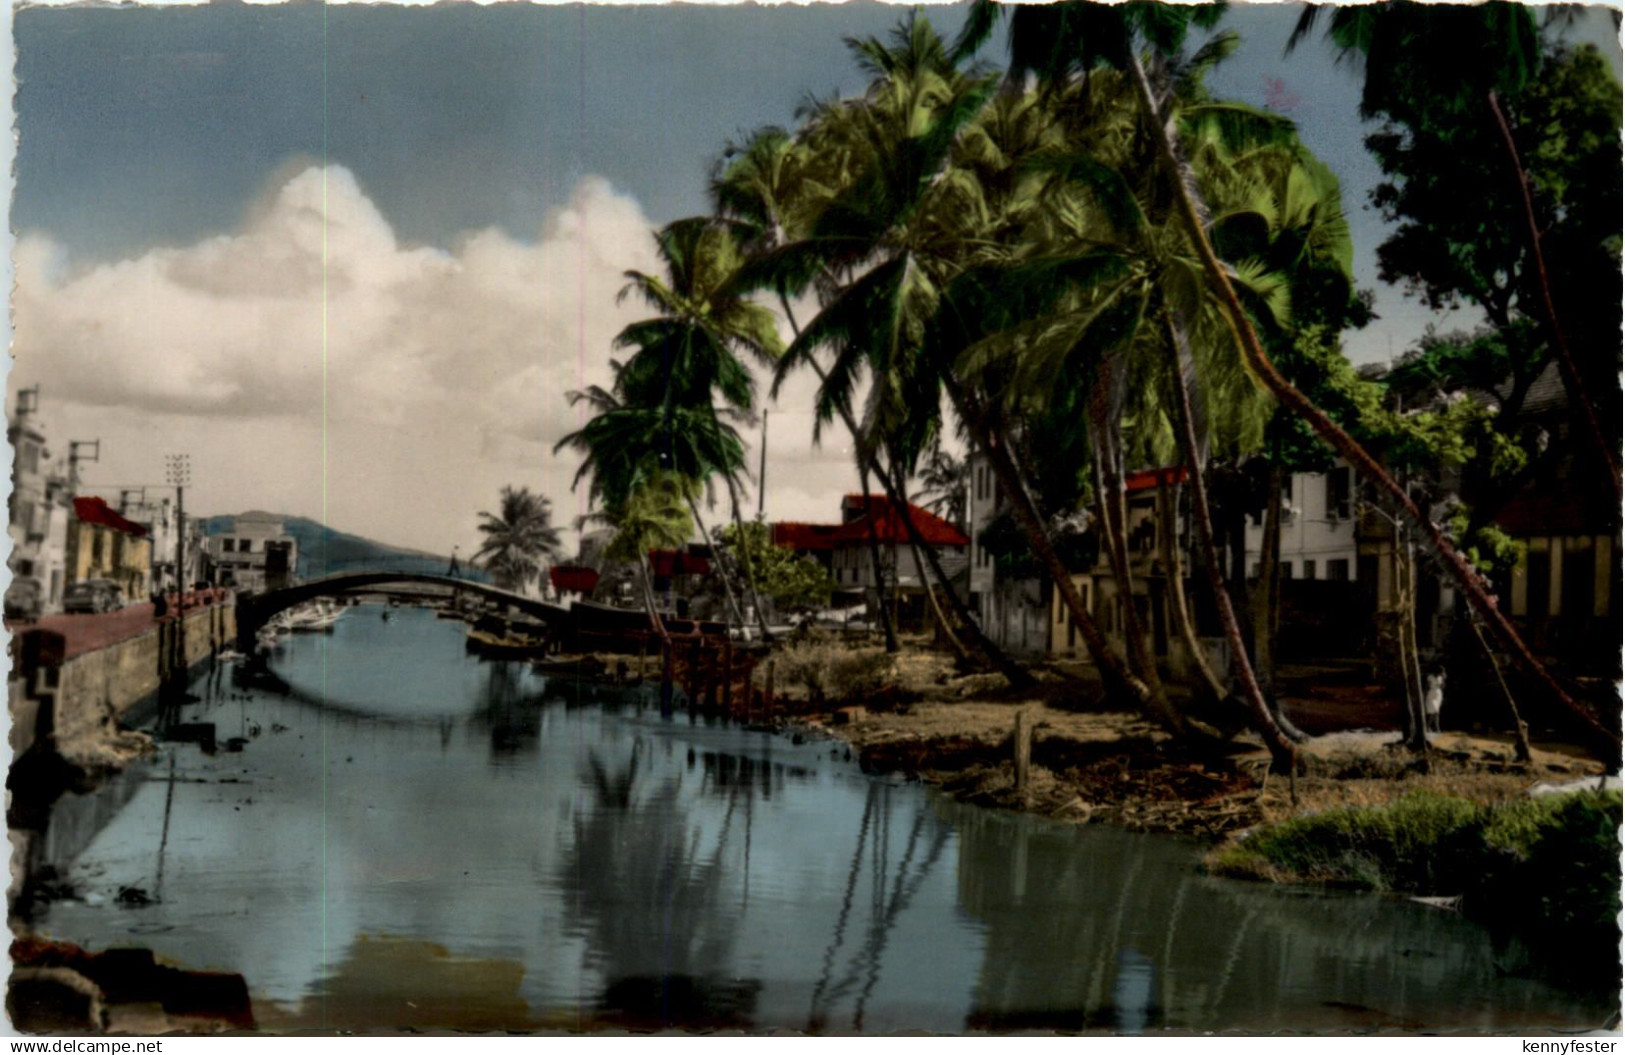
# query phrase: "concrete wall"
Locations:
[[97, 688]]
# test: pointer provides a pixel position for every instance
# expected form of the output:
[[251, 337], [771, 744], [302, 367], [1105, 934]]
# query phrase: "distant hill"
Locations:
[[323, 551]]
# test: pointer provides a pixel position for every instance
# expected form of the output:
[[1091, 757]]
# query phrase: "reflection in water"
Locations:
[[648, 900], [394, 834]]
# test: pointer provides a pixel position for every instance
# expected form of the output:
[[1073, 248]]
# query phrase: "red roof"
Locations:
[[93, 510], [889, 526], [572, 578], [1149, 478], [667, 562], [798, 536]]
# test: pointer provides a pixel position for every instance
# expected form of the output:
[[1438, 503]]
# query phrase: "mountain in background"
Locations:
[[324, 551]]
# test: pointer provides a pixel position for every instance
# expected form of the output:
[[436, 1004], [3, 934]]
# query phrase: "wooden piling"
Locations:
[[1024, 750], [728, 676], [767, 692]]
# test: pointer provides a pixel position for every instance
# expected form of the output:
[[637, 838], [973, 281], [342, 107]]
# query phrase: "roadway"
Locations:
[[87, 633]]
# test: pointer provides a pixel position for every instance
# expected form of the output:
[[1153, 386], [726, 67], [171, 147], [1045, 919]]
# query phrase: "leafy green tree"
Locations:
[[793, 582]]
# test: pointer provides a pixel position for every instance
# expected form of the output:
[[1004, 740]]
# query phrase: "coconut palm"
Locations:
[[519, 539], [652, 516], [1058, 41], [693, 352]]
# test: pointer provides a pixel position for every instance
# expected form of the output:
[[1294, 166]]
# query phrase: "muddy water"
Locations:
[[407, 837]]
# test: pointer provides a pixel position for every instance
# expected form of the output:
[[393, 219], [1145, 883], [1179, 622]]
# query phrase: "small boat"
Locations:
[[495, 636], [317, 617]]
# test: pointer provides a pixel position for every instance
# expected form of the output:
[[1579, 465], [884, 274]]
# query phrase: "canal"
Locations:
[[394, 834]]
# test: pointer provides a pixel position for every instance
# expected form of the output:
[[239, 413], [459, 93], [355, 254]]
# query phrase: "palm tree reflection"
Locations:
[[647, 900]]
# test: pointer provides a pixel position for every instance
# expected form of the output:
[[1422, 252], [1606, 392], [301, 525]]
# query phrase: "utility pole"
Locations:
[[178, 472], [74, 458]]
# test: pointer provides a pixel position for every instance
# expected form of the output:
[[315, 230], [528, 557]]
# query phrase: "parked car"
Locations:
[[25, 600], [93, 595]]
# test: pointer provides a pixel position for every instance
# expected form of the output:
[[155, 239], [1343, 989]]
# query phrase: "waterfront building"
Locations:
[[102, 544], [851, 556], [255, 555]]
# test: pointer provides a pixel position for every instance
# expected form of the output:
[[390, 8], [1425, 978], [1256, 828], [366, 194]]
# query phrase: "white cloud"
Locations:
[[315, 365], [315, 308]]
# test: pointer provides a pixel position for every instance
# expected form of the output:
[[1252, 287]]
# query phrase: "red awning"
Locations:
[[572, 578], [1148, 478], [93, 510]]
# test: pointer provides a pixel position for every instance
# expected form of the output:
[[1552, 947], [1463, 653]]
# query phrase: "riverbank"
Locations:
[[1093, 764]]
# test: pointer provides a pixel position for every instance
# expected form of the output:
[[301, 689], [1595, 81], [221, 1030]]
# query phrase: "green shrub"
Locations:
[[831, 671], [1546, 869]]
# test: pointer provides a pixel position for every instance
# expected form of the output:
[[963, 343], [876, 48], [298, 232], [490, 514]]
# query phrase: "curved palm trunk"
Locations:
[[1013, 672], [1282, 753], [1572, 382], [1268, 610], [1258, 361], [1168, 505], [746, 561], [1114, 517], [886, 623], [1114, 672], [915, 545], [722, 573]]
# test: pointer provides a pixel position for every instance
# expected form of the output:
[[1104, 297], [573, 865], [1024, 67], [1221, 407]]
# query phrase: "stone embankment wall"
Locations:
[[92, 691]]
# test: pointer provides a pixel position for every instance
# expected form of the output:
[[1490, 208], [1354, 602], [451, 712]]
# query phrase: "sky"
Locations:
[[351, 258]]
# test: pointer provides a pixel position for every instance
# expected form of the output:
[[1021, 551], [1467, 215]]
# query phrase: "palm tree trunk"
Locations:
[[747, 561], [1268, 624], [1520, 728], [1108, 491], [1267, 601], [1280, 746], [892, 644], [1412, 662], [1572, 381], [722, 573], [1258, 361], [915, 546], [1013, 672], [1113, 671], [1168, 503]]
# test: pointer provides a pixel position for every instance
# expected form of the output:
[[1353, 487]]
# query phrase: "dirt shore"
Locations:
[[1092, 764]]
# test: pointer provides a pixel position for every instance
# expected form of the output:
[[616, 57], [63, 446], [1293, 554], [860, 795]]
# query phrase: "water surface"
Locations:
[[409, 837]]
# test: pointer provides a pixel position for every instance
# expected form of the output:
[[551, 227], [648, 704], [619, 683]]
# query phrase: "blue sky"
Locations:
[[163, 232]]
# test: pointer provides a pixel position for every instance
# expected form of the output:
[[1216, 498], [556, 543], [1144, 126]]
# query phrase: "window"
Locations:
[[230, 545], [1308, 569], [1286, 569], [247, 546], [1338, 494], [1337, 570]]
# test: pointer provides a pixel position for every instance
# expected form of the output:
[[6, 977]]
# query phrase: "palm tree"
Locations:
[[693, 352], [519, 540], [1056, 40], [652, 516], [945, 484]]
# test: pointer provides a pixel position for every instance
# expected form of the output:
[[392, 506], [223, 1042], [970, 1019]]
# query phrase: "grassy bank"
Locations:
[[1545, 870]]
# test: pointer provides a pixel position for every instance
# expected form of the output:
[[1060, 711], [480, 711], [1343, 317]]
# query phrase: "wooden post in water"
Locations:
[[767, 693], [1024, 751], [643, 657], [728, 677]]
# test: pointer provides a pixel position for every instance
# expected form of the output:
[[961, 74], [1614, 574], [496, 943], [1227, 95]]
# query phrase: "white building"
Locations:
[[256, 554], [40, 508], [1319, 519]]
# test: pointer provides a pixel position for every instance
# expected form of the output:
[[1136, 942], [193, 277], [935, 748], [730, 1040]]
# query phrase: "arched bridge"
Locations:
[[255, 611]]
